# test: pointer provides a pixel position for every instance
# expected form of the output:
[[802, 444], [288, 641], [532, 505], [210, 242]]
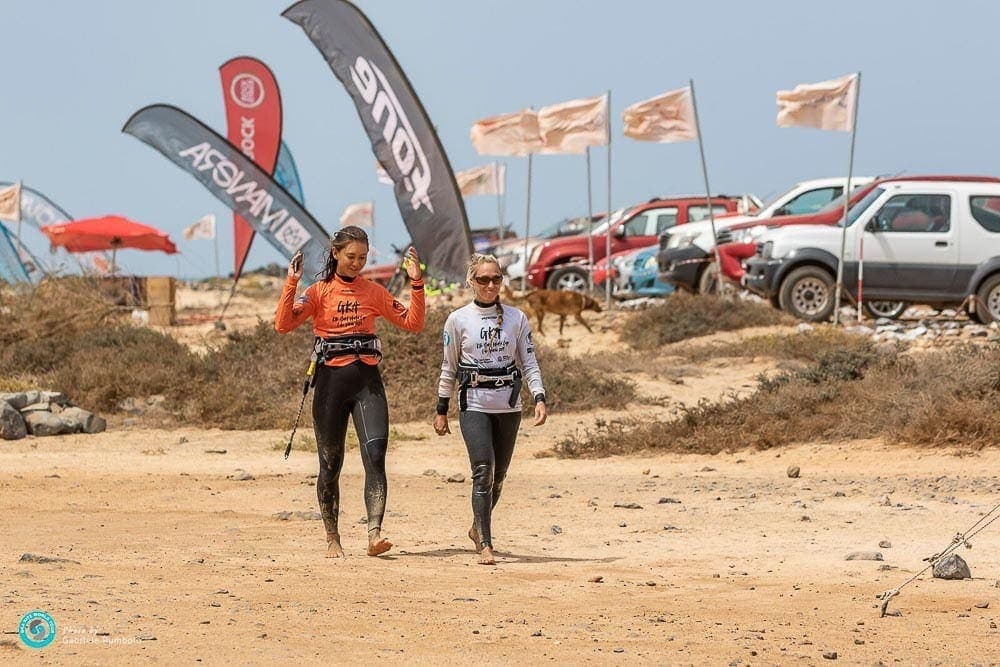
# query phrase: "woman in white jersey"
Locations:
[[488, 356]]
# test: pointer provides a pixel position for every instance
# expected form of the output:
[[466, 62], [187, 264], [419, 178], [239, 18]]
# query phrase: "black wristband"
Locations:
[[540, 398], [442, 406]]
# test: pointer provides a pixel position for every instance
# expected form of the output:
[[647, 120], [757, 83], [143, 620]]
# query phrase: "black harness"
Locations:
[[487, 378], [354, 344]]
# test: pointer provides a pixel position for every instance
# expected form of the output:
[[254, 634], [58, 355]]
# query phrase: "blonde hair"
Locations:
[[475, 262]]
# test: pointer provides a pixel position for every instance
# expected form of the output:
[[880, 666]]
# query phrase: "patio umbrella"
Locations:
[[110, 232]]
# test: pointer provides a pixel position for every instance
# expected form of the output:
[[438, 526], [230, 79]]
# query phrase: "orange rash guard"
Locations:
[[342, 308]]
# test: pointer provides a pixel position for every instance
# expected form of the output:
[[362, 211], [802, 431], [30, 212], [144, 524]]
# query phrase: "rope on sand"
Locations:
[[960, 539]]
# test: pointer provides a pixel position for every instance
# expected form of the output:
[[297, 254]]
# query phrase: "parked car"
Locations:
[[619, 268], [511, 253], [685, 252], [561, 263], [644, 277], [933, 241]]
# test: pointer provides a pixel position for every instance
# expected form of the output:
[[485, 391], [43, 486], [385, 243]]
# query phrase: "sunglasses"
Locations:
[[486, 280]]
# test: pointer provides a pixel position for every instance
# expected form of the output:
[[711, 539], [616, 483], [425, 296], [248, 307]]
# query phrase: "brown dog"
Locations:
[[562, 304]]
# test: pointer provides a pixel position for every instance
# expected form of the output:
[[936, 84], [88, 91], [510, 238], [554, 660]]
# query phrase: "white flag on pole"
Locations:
[[508, 134], [486, 180], [381, 174], [666, 118], [571, 127], [204, 229], [359, 215], [10, 203], [827, 105]]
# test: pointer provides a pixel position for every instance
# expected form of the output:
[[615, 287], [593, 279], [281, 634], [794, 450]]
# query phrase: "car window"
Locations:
[[986, 211], [636, 226], [698, 212], [914, 213], [659, 220], [811, 201]]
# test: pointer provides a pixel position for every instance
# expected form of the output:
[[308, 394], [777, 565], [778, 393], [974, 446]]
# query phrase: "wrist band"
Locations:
[[442, 405], [540, 398]]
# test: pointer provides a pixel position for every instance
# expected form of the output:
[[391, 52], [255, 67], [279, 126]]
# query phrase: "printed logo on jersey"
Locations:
[[347, 307], [398, 307], [447, 339]]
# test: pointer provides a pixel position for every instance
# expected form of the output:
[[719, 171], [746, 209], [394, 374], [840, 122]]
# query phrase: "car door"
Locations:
[[643, 229], [910, 247]]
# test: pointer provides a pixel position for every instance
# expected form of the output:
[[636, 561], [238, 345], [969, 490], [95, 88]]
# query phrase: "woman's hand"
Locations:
[[413, 265], [441, 424], [541, 413], [295, 267]]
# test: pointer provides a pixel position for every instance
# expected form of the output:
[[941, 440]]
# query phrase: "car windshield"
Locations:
[[615, 217], [860, 207]]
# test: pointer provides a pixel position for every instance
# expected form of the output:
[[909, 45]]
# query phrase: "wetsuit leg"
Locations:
[[371, 421], [504, 437], [330, 415], [477, 431]]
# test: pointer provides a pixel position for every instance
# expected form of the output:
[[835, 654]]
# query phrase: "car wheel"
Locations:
[[988, 308], [807, 293], [888, 309], [571, 278], [708, 281]]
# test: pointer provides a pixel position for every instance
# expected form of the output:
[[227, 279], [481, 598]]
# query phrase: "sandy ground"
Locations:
[[174, 559]]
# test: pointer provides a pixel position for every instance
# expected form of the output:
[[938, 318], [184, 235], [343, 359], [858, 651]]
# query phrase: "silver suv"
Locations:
[[935, 242]]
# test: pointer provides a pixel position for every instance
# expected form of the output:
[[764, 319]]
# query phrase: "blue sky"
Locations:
[[77, 70]]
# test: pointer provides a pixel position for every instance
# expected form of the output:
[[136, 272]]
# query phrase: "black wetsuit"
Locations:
[[343, 392], [489, 439]]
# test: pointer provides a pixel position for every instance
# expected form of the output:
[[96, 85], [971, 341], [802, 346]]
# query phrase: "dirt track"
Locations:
[[168, 545]]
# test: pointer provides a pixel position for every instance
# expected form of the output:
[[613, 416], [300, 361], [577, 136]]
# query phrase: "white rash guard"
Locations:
[[472, 338]]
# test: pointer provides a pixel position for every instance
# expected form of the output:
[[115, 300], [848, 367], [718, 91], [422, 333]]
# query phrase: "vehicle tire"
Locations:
[[888, 309], [988, 307], [570, 278], [708, 281], [807, 293]]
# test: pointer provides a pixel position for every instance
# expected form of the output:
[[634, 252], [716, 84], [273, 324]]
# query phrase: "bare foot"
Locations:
[[486, 557], [333, 548], [377, 545]]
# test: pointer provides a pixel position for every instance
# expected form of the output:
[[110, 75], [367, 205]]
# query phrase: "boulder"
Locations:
[[952, 567], [46, 423], [83, 421], [12, 425], [55, 397], [22, 399], [41, 406]]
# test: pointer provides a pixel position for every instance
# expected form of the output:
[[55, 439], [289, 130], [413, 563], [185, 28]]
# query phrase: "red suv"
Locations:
[[561, 263]]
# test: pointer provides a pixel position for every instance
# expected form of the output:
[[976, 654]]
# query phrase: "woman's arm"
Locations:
[[409, 319], [449, 368], [292, 312]]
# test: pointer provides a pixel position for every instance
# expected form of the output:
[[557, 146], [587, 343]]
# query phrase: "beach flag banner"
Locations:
[[573, 126], [359, 215], [485, 180], [287, 174], [10, 203], [827, 105], [507, 134], [666, 118], [203, 229]]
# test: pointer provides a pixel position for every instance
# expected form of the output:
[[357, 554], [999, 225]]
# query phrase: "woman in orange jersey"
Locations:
[[343, 306]]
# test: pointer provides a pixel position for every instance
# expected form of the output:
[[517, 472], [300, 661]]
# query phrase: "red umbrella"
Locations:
[[110, 232]]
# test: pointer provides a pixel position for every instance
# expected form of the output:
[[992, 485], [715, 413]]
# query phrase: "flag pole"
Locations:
[[590, 230], [496, 187], [527, 227], [607, 242], [708, 191], [847, 201]]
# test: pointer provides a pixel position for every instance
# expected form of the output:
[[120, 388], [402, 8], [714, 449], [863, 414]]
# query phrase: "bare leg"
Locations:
[[486, 557]]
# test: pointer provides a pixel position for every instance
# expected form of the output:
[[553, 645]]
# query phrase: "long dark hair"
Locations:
[[338, 242]]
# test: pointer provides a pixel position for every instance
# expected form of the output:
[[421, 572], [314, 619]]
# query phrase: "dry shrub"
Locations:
[[937, 398], [253, 380], [683, 316], [806, 346]]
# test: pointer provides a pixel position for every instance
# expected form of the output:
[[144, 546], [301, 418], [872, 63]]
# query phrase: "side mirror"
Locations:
[[872, 225], [780, 211], [620, 232]]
